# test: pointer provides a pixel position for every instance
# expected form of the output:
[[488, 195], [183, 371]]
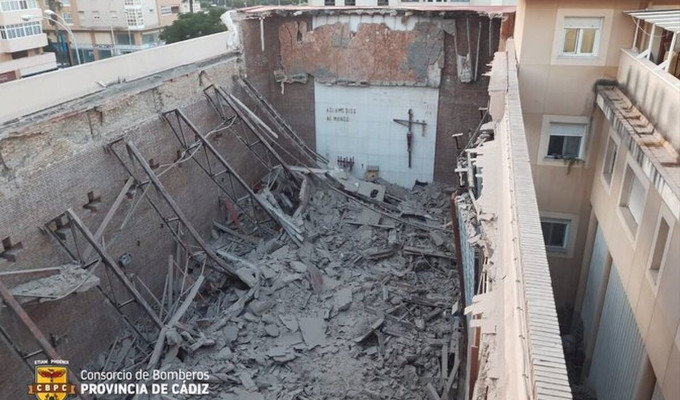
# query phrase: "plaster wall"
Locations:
[[554, 87], [656, 305], [359, 123]]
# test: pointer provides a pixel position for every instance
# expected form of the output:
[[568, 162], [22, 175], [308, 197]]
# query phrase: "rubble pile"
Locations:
[[364, 306]]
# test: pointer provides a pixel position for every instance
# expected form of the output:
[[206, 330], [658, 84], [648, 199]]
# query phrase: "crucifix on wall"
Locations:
[[409, 135]]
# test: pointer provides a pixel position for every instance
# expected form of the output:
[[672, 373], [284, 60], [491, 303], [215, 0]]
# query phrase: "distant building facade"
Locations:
[[106, 28], [21, 41], [404, 3]]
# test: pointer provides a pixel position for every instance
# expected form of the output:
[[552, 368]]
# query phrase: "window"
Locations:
[[632, 201], [581, 36], [566, 140], [15, 5], [134, 17], [166, 10], [20, 30], [609, 160], [65, 3], [660, 248], [329, 2], [68, 18], [383, 2], [175, 9], [350, 2], [555, 234]]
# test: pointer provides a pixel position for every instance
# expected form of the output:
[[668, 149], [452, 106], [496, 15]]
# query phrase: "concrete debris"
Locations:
[[355, 300], [313, 331], [72, 278], [343, 299]]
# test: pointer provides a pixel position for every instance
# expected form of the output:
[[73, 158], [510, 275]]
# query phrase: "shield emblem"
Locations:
[[51, 383]]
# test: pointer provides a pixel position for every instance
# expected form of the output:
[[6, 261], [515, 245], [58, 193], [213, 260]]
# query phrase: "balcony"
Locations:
[[30, 65], [23, 43], [646, 84]]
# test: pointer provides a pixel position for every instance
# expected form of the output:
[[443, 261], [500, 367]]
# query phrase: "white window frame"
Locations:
[[543, 158], [599, 56], [166, 10], [572, 22], [632, 226], [566, 251], [612, 138], [653, 277], [67, 17]]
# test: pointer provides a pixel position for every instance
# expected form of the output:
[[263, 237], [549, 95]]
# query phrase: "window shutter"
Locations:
[[567, 129], [583, 22]]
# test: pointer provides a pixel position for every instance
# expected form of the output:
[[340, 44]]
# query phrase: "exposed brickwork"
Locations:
[[296, 102], [459, 102], [73, 162]]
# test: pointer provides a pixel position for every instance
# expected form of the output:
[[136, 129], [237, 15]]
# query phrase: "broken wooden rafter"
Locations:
[[112, 265], [160, 343], [427, 252], [282, 124], [228, 169], [246, 116], [220, 266]]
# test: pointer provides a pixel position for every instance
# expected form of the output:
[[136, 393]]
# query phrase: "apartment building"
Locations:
[[600, 96], [106, 28], [409, 3], [21, 41]]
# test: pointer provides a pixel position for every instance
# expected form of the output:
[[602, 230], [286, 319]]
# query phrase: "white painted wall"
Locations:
[[358, 122]]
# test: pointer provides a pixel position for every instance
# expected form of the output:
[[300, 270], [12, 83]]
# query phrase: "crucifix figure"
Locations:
[[409, 135]]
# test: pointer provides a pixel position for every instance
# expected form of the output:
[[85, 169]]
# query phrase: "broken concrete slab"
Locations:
[[313, 331], [343, 299]]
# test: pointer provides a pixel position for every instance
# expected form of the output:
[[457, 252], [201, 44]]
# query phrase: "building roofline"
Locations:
[[265, 11]]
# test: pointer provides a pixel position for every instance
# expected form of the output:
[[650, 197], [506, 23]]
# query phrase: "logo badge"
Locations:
[[51, 383]]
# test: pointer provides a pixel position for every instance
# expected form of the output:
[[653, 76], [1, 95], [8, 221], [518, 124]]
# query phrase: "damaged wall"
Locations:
[[51, 162], [418, 51], [350, 51]]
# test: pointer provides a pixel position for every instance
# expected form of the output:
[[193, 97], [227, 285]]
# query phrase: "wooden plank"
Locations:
[[109, 216], [222, 265], [427, 252], [113, 265], [431, 392]]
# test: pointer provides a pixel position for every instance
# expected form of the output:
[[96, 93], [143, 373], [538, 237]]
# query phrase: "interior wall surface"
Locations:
[[359, 123], [52, 163], [413, 51]]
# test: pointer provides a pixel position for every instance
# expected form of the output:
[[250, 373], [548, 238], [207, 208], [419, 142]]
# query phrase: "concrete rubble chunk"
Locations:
[[259, 307], [313, 331], [343, 299], [272, 330], [290, 322]]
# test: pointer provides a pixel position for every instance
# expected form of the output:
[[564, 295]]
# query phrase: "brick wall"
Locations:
[[459, 102], [51, 165]]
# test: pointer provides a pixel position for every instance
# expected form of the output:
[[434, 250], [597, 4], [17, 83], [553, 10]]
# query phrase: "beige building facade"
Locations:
[[601, 100], [21, 41], [106, 28]]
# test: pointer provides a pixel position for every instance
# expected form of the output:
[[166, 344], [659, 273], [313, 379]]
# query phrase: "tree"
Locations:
[[189, 26]]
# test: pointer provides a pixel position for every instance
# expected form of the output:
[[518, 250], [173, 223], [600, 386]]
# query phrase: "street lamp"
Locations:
[[64, 25]]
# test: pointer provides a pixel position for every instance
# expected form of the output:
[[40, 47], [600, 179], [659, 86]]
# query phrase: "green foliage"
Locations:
[[189, 26]]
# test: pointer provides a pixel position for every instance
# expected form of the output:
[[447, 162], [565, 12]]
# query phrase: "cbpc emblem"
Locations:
[[51, 383]]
